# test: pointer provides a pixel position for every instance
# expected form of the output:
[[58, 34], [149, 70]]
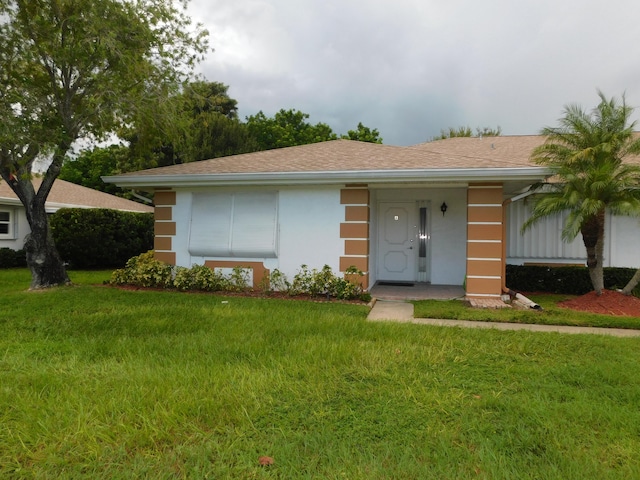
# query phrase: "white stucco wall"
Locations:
[[308, 229], [447, 234], [623, 236]]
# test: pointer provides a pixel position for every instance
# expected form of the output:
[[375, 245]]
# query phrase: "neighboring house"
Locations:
[[13, 221], [434, 212]]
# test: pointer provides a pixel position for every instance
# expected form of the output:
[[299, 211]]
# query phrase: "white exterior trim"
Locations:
[[414, 176]]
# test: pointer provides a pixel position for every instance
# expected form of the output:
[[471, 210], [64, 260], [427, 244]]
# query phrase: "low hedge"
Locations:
[[146, 271], [565, 280], [100, 237], [10, 258]]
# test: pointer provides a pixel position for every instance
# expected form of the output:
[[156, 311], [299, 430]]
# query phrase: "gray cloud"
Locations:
[[413, 67]]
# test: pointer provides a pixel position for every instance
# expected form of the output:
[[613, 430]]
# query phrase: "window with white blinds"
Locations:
[[234, 224]]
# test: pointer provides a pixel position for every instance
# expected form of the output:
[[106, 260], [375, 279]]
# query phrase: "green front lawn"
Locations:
[[550, 314], [97, 382]]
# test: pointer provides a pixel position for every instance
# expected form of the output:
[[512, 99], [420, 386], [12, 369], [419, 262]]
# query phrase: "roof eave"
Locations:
[[332, 177]]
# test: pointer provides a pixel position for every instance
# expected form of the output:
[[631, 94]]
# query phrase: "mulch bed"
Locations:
[[609, 303], [248, 293]]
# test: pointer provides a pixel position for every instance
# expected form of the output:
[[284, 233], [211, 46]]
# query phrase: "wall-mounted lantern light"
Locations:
[[443, 208]]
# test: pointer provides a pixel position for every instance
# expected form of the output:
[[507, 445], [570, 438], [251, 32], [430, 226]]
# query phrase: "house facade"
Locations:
[[434, 212], [13, 220]]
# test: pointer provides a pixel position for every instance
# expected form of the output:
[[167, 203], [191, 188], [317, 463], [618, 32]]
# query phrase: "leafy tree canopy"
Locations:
[[208, 97], [463, 131], [88, 168], [205, 125], [286, 129], [73, 69], [363, 134]]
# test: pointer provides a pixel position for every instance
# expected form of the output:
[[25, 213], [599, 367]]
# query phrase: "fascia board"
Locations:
[[332, 177], [13, 202]]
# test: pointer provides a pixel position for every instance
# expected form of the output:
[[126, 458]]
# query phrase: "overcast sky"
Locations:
[[413, 67]]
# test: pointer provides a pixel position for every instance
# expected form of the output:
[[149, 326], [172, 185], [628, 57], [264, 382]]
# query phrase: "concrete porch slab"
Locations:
[[418, 291]]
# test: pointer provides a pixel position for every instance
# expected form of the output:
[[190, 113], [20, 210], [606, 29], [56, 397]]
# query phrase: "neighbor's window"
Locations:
[[234, 224], [6, 224]]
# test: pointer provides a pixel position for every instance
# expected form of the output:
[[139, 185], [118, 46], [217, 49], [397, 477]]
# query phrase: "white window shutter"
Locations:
[[239, 224], [210, 224], [254, 225]]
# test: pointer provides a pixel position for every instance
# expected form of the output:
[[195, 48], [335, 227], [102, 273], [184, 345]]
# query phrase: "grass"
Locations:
[[550, 314], [97, 382]]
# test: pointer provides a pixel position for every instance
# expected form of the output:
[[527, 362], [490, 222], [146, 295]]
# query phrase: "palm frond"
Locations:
[[586, 153]]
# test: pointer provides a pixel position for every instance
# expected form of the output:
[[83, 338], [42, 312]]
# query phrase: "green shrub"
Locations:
[[344, 289], [319, 282], [278, 281], [565, 280], [312, 282], [199, 277], [144, 271], [10, 258], [99, 237], [238, 281]]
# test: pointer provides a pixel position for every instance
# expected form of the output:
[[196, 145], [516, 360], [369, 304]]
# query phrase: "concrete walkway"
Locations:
[[391, 310], [403, 312]]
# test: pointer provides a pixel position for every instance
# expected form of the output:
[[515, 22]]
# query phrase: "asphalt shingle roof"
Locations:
[[68, 194], [348, 155]]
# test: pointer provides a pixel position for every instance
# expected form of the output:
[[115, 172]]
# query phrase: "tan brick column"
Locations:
[[355, 231], [164, 227], [485, 239]]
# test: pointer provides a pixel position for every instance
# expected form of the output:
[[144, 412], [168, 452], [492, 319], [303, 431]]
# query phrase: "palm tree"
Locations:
[[586, 154]]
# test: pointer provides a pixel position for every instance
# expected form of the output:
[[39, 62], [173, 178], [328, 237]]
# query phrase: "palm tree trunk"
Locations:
[[593, 238], [632, 283]]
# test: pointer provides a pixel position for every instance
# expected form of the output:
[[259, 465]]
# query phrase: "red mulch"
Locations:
[[609, 303]]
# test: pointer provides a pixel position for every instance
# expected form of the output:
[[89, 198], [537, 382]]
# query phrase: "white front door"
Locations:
[[397, 245]]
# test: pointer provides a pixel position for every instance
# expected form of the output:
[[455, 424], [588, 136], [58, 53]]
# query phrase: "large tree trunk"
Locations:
[[593, 238], [47, 268]]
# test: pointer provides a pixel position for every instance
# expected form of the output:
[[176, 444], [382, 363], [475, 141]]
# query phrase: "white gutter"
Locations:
[[10, 201], [331, 177], [52, 207]]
